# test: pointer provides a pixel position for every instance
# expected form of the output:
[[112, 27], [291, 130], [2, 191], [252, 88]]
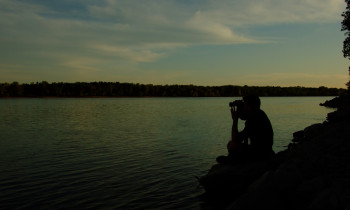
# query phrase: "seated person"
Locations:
[[257, 129]]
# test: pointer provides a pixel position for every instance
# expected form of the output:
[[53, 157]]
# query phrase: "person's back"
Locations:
[[259, 130]]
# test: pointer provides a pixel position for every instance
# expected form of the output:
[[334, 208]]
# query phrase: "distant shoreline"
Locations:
[[116, 89], [72, 97]]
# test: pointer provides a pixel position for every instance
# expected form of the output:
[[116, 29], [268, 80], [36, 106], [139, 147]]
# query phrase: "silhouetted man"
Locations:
[[257, 129]]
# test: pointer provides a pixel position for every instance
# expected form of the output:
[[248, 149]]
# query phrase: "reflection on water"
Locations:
[[123, 152]]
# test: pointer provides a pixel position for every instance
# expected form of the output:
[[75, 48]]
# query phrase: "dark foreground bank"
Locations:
[[313, 173]]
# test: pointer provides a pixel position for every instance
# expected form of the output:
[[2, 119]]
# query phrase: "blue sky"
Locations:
[[200, 42]]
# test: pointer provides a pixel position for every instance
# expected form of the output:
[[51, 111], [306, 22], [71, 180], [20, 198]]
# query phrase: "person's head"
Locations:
[[251, 104], [252, 101]]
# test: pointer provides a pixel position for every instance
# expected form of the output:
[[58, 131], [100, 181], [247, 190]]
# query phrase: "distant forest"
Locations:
[[116, 89]]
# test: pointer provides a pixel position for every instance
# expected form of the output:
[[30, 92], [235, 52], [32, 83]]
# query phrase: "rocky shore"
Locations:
[[313, 173]]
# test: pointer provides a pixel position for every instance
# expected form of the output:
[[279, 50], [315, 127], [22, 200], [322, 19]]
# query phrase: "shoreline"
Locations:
[[313, 173], [43, 97]]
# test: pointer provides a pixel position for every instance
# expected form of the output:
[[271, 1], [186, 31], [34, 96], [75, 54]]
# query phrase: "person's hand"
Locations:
[[234, 114]]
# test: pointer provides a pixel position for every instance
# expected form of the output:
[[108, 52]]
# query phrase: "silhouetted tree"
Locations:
[[110, 89], [346, 27]]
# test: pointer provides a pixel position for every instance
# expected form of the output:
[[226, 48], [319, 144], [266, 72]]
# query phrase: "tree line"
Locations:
[[345, 26], [116, 89]]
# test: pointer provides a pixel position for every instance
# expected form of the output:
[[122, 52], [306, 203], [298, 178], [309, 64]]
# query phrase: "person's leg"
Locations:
[[224, 159], [235, 155]]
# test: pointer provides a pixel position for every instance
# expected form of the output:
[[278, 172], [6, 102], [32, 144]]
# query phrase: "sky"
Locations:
[[199, 42]]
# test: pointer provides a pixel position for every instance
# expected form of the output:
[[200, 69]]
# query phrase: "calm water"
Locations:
[[124, 153]]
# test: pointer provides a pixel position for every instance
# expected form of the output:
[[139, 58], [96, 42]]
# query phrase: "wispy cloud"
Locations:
[[156, 24], [87, 34], [274, 11], [214, 32], [129, 53]]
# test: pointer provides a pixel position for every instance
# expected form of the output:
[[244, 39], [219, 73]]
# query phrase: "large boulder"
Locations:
[[225, 182]]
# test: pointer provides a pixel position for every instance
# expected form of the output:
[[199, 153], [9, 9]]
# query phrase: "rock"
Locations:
[[225, 182], [313, 131], [324, 200], [338, 116], [337, 102], [309, 188], [272, 190], [298, 136], [308, 133]]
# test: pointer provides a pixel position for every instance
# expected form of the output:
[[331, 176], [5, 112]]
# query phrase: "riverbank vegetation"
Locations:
[[116, 89], [345, 26]]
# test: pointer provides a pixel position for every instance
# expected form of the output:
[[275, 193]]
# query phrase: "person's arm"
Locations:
[[234, 131]]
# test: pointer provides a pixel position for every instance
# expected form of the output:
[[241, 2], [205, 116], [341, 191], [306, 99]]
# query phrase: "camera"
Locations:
[[236, 103]]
